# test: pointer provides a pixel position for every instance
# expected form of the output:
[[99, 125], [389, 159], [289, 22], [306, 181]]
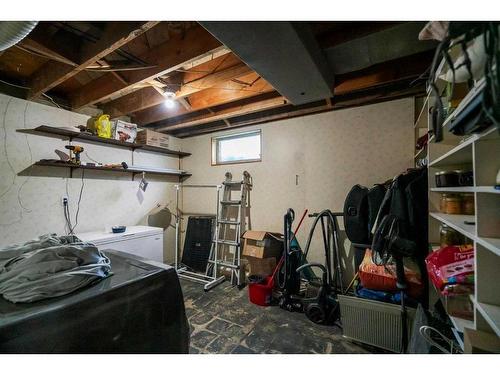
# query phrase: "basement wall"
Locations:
[[328, 153], [108, 198]]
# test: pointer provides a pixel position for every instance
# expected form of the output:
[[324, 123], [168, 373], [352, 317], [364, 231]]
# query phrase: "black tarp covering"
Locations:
[[139, 309]]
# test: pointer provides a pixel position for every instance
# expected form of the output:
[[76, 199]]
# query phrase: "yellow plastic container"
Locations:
[[101, 126]]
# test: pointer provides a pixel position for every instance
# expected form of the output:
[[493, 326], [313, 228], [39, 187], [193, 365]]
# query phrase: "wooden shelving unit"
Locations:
[[64, 134], [479, 153], [50, 131]]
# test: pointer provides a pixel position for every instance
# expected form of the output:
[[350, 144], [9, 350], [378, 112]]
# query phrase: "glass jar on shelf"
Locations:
[[468, 207], [450, 237], [451, 204]]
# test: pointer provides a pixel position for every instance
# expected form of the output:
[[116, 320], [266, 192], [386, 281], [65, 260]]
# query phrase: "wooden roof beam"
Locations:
[[114, 36], [384, 73], [42, 49], [144, 98], [375, 95], [225, 93], [228, 113], [179, 50]]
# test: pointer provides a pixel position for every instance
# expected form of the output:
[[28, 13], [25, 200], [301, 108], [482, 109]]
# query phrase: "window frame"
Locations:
[[214, 144]]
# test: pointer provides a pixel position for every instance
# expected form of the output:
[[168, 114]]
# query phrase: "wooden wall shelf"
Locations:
[[72, 167], [50, 131]]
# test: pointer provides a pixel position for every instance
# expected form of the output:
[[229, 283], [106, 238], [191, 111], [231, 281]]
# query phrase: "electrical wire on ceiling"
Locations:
[[14, 85], [180, 85], [43, 94], [52, 100], [45, 56], [93, 39]]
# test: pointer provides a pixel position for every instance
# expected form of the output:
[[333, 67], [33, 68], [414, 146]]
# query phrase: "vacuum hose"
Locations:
[[330, 231]]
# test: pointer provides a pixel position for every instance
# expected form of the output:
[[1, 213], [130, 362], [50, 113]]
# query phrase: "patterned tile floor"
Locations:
[[224, 321]]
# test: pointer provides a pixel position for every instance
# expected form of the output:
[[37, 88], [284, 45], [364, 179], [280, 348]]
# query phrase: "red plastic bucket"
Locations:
[[261, 293]]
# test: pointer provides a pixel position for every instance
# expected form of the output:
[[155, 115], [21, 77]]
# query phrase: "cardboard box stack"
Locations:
[[152, 138], [262, 250]]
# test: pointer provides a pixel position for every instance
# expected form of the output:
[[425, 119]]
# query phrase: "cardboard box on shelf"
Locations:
[[152, 138], [261, 267], [262, 244], [125, 131]]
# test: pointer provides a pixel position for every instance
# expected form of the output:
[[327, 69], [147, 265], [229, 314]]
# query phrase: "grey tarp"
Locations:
[[49, 267], [139, 309]]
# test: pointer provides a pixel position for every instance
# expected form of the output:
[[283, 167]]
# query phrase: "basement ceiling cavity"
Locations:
[[393, 43]]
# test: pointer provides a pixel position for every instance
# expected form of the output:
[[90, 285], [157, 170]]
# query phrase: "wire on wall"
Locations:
[[79, 201], [19, 199], [4, 126], [14, 175]]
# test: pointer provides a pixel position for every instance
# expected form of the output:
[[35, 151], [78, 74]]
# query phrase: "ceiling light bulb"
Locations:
[[169, 98], [169, 103]]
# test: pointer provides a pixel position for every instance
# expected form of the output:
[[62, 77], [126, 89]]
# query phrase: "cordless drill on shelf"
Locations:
[[74, 153]]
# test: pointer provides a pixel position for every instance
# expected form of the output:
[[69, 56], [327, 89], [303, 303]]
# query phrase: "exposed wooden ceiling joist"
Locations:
[[167, 57], [55, 41], [392, 71], [228, 113], [145, 98], [382, 75], [115, 35], [370, 96], [225, 93], [33, 45], [213, 79]]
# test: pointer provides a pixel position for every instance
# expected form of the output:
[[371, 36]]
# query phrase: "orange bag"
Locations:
[[383, 277]]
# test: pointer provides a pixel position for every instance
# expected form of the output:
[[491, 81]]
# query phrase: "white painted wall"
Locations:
[[329, 152], [108, 198]]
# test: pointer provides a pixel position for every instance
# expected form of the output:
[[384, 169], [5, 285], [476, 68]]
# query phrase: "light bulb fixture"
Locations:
[[169, 98]]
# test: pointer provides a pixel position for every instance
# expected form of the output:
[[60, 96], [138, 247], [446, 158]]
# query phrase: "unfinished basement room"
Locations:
[[306, 185]]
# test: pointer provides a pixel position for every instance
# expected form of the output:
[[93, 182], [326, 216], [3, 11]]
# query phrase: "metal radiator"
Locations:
[[374, 323]]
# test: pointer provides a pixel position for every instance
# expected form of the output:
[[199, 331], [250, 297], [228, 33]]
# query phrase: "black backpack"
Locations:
[[360, 212], [356, 215]]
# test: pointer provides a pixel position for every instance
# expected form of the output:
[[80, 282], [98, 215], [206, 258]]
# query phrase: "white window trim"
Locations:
[[214, 147]]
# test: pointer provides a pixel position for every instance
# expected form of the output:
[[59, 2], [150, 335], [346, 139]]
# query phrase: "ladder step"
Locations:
[[232, 183], [224, 264], [231, 203], [228, 242], [230, 222]]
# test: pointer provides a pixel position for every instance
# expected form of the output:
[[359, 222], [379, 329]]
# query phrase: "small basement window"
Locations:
[[237, 148]]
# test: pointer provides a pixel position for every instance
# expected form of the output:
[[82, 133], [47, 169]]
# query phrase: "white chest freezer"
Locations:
[[143, 241]]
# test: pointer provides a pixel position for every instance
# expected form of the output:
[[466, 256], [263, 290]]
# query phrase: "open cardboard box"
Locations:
[[262, 244], [262, 251]]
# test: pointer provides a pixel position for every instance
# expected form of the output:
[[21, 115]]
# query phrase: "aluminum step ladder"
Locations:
[[231, 224]]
